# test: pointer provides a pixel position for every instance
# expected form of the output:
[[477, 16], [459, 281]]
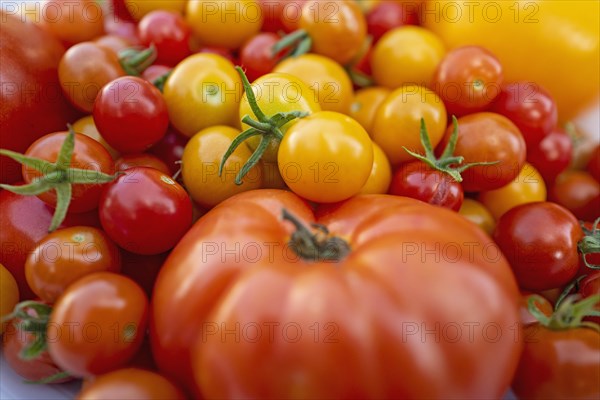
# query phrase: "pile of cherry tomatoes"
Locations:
[[300, 199]]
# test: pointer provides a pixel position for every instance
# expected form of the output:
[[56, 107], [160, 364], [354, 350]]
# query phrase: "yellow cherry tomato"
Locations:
[[326, 78], [277, 92], [406, 55], [381, 174], [224, 23], [200, 166], [139, 8], [203, 90], [527, 187], [87, 126], [9, 294], [397, 122], [365, 104], [553, 43], [326, 157], [476, 212]]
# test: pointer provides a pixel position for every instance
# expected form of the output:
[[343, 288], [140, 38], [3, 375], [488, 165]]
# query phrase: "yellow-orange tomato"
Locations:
[[365, 104], [139, 8], [527, 187], [406, 55], [326, 78], [9, 295], [398, 121], [476, 212], [224, 23], [87, 126], [200, 169], [381, 174]]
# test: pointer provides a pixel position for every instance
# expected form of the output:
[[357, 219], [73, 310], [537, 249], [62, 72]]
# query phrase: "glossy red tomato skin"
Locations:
[[87, 154], [387, 15], [272, 15], [560, 364], [256, 56], [419, 181], [468, 79], [24, 220], [131, 114], [579, 192], [137, 203], [541, 258], [552, 155], [169, 32], [530, 107], [593, 166], [31, 101], [141, 160], [170, 149], [383, 221], [487, 137]]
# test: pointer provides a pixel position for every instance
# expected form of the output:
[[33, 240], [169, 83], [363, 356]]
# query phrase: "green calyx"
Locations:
[[268, 127], [135, 61], [56, 176], [447, 163], [569, 312], [159, 82], [590, 243], [296, 43], [33, 317], [358, 78], [317, 246]]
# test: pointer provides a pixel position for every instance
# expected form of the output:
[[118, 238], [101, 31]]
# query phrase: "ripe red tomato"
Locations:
[[487, 137], [141, 160], [417, 180], [530, 107], [256, 56], [31, 102], [541, 258], [169, 32], [131, 114], [552, 155], [468, 79], [387, 15], [579, 192], [139, 201], [98, 324], [289, 321]]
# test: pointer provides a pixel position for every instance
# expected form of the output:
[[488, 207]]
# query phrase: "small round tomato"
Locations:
[[98, 324], [131, 114], [325, 157], [140, 200], [419, 181], [9, 295], [170, 149], [65, 255], [256, 56], [200, 169], [138, 8], [579, 192], [387, 15], [133, 383], [72, 21], [141, 160], [468, 79], [88, 154], [593, 166], [365, 104], [488, 137], [114, 42], [552, 155], [326, 78], [406, 55], [381, 174], [225, 23], [530, 107], [527, 187], [169, 33], [203, 90], [337, 28], [540, 242], [397, 122], [84, 70], [476, 212], [87, 126]]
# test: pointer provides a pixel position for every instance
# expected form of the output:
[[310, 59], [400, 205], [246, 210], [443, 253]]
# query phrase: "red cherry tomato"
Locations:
[[530, 107], [141, 160], [552, 155], [417, 180], [131, 114], [256, 56], [137, 203], [579, 192], [387, 15], [169, 32]]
